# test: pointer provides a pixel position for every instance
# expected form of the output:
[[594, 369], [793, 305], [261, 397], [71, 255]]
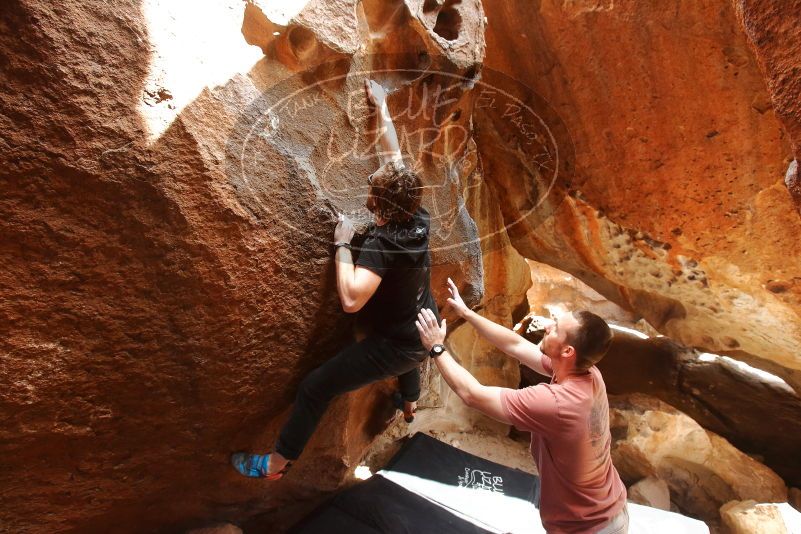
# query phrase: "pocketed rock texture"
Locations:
[[702, 470], [166, 228], [682, 214]]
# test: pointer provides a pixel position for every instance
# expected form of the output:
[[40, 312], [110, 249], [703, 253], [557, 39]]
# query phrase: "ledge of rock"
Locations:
[[321, 31]]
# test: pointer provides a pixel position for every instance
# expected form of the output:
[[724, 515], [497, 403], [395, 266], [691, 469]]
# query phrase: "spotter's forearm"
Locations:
[[457, 377]]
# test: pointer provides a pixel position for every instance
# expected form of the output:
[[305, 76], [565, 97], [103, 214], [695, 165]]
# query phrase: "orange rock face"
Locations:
[[168, 193], [170, 174], [774, 31], [681, 213]]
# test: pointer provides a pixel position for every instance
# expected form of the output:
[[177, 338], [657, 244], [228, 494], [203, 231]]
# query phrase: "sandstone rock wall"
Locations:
[[166, 221], [679, 210], [167, 206], [775, 36], [554, 289]]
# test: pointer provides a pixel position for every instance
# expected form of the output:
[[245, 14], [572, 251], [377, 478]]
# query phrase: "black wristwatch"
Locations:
[[436, 350], [343, 244]]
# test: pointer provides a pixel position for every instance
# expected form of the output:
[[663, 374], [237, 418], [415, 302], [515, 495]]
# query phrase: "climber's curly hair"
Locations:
[[395, 192]]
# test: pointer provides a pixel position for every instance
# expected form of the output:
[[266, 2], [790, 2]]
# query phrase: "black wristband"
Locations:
[[343, 244]]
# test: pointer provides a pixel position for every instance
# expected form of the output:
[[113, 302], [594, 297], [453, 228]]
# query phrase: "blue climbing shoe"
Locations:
[[256, 466]]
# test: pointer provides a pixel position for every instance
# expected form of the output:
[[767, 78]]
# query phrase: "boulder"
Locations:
[[748, 517], [702, 470], [167, 212], [168, 202], [652, 492]]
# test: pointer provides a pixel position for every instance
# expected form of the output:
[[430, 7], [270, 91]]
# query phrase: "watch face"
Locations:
[[438, 349]]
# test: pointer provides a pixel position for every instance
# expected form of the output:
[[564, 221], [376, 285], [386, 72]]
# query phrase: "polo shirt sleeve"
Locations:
[[373, 257], [531, 409]]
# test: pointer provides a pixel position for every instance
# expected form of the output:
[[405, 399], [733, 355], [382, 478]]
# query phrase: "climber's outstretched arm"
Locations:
[[388, 147]]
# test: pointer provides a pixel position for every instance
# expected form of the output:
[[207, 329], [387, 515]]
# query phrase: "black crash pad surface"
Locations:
[[379, 505]]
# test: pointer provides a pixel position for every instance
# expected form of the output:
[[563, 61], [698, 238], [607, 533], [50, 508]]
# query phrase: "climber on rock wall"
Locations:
[[387, 284], [568, 418]]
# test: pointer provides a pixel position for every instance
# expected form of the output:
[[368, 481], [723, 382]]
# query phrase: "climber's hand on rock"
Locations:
[[430, 332], [344, 231], [375, 93], [455, 300]]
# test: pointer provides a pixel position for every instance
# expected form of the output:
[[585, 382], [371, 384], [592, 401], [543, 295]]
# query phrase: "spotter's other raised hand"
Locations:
[[455, 300]]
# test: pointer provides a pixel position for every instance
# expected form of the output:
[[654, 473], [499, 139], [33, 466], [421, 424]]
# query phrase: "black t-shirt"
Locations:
[[398, 253]]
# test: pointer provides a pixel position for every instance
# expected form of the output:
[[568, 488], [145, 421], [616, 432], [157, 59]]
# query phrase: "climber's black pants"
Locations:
[[362, 363]]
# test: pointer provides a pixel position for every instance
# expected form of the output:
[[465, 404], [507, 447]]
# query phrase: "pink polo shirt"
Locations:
[[570, 442]]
